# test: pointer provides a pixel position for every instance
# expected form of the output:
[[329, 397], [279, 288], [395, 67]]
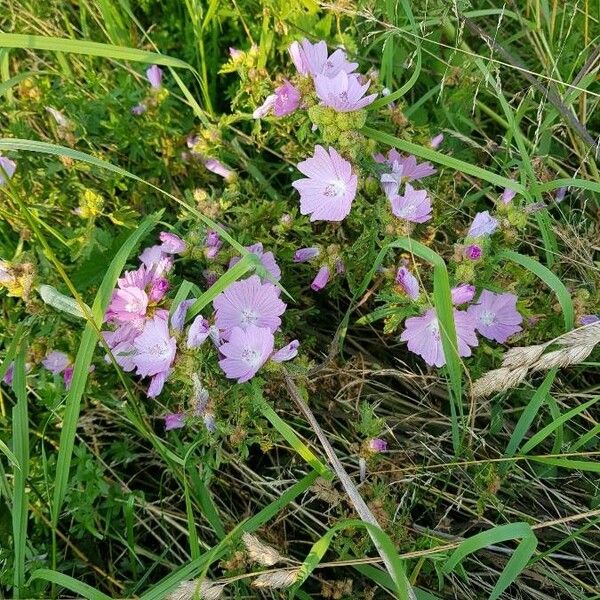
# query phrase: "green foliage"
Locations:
[[97, 499]]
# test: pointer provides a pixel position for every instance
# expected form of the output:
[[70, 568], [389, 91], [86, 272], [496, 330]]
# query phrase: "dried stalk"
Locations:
[[364, 512]]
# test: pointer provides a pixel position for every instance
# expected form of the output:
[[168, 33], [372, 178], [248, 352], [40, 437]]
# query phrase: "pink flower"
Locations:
[[473, 252], [588, 319], [265, 108], [174, 421], [155, 259], [155, 348], [408, 282], [436, 141], [248, 303], [171, 243], [158, 289], [496, 316], [404, 169], [507, 195], [343, 93], [198, 332], [218, 168], [321, 279], [483, 224], [414, 206], [246, 352], [463, 293], [7, 167], [138, 109], [154, 76], [305, 254], [56, 362], [157, 382], [312, 59], [9, 375], [127, 304], [329, 188], [425, 339], [287, 352], [179, 314], [68, 376], [267, 260], [377, 445], [121, 345], [287, 99], [560, 192]]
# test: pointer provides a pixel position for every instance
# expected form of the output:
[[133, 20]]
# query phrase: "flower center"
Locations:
[[487, 317], [160, 350], [335, 188], [251, 357], [248, 317]]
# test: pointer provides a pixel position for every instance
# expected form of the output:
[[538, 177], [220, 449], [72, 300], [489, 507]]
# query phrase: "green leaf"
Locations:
[[82, 589], [527, 416], [518, 561], [320, 547], [442, 300], [51, 296], [20, 503], [541, 435], [54, 44], [550, 279], [291, 437]]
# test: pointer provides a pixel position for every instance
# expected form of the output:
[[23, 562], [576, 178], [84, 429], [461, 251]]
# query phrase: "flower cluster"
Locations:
[[149, 333], [494, 316]]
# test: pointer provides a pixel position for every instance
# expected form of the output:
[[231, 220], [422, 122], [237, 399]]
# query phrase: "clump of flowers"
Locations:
[[161, 341]]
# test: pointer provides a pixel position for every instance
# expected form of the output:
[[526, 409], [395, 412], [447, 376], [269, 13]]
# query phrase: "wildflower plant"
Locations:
[[298, 247]]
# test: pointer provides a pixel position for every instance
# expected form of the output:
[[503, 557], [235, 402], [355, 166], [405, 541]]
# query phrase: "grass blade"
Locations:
[[20, 420], [518, 561], [83, 360], [54, 44], [541, 435], [82, 589], [550, 279], [320, 547]]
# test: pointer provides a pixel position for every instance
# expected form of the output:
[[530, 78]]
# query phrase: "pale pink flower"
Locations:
[[154, 75], [174, 421], [343, 93], [265, 108], [218, 168], [248, 303], [408, 282], [267, 260], [496, 316], [7, 167], [172, 243], [246, 352], [287, 352], [483, 224], [313, 59], [329, 188], [305, 254], [287, 99], [436, 141], [413, 206], [154, 347], [425, 338], [463, 293], [321, 279]]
